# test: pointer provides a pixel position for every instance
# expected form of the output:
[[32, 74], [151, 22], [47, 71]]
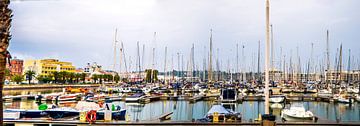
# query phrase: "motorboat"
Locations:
[[118, 114], [324, 93], [62, 112], [135, 97], [277, 98], [25, 113], [341, 99], [297, 112], [222, 113]]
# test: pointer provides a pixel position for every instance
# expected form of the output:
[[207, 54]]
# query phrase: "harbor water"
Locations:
[[186, 111]]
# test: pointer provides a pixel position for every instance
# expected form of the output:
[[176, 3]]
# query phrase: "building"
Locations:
[[15, 67], [47, 66]]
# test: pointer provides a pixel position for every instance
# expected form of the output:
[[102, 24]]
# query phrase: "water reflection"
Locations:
[[184, 111]]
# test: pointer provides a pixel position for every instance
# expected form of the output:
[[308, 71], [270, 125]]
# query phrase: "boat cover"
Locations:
[[218, 108]]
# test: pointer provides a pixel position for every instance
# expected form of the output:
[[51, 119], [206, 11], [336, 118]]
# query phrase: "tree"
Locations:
[[17, 78], [44, 79], [117, 78], [82, 77], [7, 72], [63, 76], [5, 24], [77, 77], [71, 77], [29, 75], [95, 77], [56, 76], [150, 78]]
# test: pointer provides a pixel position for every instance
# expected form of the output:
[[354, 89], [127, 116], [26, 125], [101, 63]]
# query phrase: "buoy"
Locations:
[[91, 116]]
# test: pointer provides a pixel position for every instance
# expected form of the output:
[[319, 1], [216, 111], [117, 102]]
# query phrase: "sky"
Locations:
[[83, 31]]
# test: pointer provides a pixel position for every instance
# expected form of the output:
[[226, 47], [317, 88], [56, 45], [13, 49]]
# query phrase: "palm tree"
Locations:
[[82, 77], [56, 76], [77, 77], [17, 78], [63, 76], [5, 24], [71, 77], [95, 77], [29, 75]]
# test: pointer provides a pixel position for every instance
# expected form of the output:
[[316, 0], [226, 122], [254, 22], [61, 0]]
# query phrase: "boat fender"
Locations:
[[43, 107], [91, 116]]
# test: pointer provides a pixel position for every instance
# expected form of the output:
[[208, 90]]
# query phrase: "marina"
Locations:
[[148, 63]]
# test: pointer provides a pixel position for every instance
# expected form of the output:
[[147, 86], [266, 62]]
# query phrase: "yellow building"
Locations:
[[47, 66]]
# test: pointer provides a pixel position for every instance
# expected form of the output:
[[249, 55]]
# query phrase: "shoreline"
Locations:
[[47, 86]]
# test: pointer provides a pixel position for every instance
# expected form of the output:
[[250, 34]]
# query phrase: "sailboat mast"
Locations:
[[115, 41], [165, 82], [258, 67], [153, 60], [327, 58], [348, 69], [267, 111], [340, 63], [210, 59], [237, 61], [272, 51], [138, 60]]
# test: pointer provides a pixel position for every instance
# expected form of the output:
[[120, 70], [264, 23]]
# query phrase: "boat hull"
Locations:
[[115, 115]]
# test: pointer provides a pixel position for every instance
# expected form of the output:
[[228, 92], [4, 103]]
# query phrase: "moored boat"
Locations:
[[222, 113], [297, 113]]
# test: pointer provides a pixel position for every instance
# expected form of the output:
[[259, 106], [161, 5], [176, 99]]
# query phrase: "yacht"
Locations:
[[297, 112]]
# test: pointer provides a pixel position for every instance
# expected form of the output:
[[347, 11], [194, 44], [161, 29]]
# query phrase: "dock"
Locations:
[[177, 123]]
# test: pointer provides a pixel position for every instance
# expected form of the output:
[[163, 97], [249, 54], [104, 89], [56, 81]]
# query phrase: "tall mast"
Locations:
[[178, 73], [237, 61], [138, 59], [327, 58], [243, 75], [165, 66], [153, 60], [217, 65], [340, 62], [258, 63], [143, 58], [348, 69], [267, 59], [272, 52], [115, 41], [327, 51], [204, 64], [210, 76]]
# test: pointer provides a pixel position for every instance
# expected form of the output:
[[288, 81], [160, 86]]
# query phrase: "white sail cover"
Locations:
[[219, 109]]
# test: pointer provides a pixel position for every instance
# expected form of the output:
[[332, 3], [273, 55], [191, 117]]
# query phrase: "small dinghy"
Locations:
[[135, 98]]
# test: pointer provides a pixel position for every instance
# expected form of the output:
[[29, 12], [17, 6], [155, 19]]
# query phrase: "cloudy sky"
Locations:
[[82, 31]]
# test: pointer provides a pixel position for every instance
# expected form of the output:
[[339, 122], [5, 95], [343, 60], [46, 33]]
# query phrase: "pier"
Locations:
[[98, 123]]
